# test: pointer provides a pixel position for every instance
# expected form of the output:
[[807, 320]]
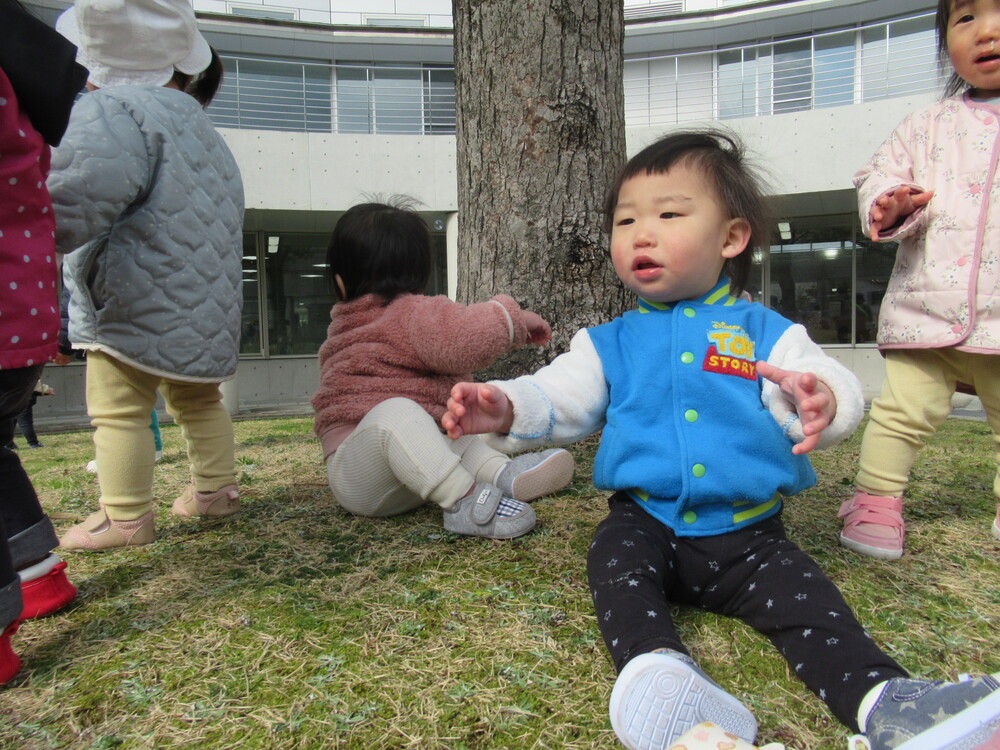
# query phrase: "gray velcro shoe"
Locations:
[[934, 715], [486, 512], [533, 475]]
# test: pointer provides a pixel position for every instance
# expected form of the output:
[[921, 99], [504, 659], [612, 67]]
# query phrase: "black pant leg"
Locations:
[[629, 567], [784, 595], [26, 424], [19, 504]]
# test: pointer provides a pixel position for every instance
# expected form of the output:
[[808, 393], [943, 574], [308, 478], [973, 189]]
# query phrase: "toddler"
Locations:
[[708, 406], [932, 186], [390, 358], [149, 205]]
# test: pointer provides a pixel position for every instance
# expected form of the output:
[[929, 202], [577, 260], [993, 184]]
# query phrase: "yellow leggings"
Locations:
[[915, 400], [119, 400]]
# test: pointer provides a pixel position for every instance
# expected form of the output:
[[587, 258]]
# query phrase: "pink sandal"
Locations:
[[873, 525]]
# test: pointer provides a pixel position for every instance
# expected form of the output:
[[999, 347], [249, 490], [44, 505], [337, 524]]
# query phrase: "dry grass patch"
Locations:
[[296, 625]]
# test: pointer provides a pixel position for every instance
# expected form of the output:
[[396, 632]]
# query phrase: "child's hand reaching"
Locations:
[[539, 330], [814, 401], [476, 408], [890, 208]]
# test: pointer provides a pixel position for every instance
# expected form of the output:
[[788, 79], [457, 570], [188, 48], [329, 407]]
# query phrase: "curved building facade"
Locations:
[[325, 105]]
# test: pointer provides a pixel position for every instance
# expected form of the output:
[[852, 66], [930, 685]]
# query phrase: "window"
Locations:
[[250, 340], [833, 69], [899, 58], [439, 100], [298, 293], [792, 76], [811, 276], [394, 100], [741, 75], [287, 273], [874, 264], [665, 90], [273, 95]]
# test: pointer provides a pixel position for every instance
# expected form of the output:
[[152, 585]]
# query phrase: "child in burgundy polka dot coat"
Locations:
[[38, 81]]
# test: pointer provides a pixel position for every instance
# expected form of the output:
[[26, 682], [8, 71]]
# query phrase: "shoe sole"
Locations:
[[525, 525], [552, 474], [996, 529], [866, 549], [655, 701], [975, 728]]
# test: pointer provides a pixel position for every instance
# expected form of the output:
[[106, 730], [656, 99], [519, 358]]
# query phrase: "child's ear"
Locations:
[[736, 239], [340, 285]]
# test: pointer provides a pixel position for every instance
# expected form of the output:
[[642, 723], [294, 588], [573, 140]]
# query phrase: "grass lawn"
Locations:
[[296, 625]]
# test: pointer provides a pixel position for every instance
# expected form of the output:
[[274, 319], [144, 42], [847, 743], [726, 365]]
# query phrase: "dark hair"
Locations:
[[722, 158], [380, 248], [955, 82], [204, 85]]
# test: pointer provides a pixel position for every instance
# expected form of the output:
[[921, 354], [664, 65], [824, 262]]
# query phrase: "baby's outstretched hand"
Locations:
[[475, 408], [539, 330], [890, 208], [813, 399]]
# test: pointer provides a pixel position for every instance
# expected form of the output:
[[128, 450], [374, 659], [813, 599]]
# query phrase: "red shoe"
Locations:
[[45, 588], [9, 663]]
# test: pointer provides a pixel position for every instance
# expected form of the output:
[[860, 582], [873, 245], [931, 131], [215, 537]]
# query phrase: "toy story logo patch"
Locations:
[[730, 352]]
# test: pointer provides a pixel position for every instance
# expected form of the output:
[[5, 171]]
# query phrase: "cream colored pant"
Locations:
[[915, 400], [119, 400], [397, 459]]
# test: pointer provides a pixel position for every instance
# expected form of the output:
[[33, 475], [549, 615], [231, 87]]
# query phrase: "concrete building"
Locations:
[[325, 104]]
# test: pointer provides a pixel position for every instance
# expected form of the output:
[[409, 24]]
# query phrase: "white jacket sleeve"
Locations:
[[562, 403], [796, 351]]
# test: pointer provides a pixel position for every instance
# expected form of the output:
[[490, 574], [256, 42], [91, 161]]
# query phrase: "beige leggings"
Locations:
[[915, 400], [119, 400], [397, 459]]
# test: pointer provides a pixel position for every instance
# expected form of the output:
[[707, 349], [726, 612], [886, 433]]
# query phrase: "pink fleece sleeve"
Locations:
[[458, 339]]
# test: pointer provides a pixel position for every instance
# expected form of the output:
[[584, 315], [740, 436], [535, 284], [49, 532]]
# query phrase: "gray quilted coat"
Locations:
[[149, 205]]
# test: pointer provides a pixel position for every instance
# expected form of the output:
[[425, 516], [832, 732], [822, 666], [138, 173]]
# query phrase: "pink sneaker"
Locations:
[[996, 522], [873, 525]]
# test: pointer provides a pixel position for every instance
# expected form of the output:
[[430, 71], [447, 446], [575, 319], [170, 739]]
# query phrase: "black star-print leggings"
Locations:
[[638, 567]]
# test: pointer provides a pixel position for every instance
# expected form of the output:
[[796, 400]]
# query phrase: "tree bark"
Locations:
[[541, 133]]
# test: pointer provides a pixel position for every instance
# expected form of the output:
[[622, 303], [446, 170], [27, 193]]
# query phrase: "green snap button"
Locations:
[[698, 470], [690, 517], [689, 311], [691, 415], [687, 358]]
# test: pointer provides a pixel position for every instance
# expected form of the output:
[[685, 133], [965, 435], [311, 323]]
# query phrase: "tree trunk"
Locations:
[[541, 133]]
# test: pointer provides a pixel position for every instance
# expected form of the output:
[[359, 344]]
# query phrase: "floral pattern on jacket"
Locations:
[[945, 284]]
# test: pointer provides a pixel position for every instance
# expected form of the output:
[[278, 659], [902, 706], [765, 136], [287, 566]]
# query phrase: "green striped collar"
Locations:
[[718, 295]]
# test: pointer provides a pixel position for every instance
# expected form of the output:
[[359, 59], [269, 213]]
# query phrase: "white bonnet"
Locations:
[[135, 41]]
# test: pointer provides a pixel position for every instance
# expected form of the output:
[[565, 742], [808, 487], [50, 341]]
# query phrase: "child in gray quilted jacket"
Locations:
[[149, 205]]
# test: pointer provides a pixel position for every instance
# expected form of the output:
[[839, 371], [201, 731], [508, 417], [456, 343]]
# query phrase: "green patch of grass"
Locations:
[[297, 625]]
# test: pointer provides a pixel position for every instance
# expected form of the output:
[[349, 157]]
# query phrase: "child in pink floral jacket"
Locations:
[[933, 186]]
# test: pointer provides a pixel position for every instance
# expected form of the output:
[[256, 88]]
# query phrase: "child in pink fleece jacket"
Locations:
[[386, 368]]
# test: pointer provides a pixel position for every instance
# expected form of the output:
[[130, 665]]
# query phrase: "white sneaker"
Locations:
[[660, 696]]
